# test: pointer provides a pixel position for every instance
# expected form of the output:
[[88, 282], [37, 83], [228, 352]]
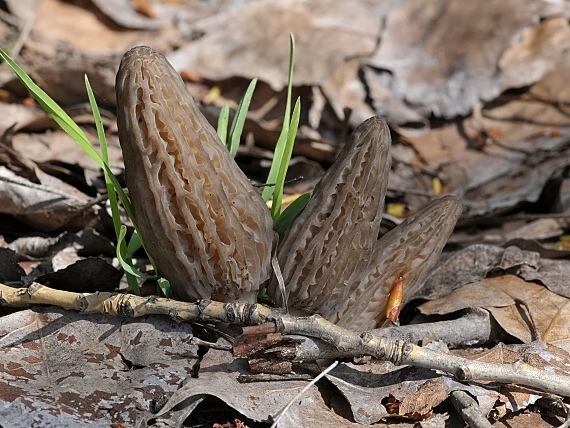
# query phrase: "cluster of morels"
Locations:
[[210, 232]]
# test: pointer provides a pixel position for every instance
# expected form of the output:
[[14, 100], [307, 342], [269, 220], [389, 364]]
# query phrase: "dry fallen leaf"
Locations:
[[368, 387], [525, 310], [61, 368], [259, 401], [47, 206], [136, 14], [536, 354], [448, 68], [328, 32]]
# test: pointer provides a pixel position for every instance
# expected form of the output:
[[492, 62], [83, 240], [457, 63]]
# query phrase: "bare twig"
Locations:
[[472, 328], [469, 410], [198, 341], [364, 343]]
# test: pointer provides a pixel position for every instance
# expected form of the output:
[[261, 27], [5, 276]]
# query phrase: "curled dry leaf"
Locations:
[[331, 259], [202, 221]]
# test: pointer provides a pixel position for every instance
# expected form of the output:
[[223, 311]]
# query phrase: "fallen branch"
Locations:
[[474, 327], [346, 342]]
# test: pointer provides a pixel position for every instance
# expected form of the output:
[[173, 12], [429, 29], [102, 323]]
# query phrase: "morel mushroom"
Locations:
[[210, 232], [204, 224], [331, 259]]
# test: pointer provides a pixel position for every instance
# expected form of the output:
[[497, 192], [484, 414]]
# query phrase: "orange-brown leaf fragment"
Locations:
[[394, 304]]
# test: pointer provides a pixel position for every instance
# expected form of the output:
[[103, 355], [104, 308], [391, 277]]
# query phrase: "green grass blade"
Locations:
[[122, 250], [134, 243], [164, 286], [239, 118], [67, 124], [290, 213], [132, 283], [284, 161], [223, 121], [126, 263], [280, 146], [115, 213], [98, 122]]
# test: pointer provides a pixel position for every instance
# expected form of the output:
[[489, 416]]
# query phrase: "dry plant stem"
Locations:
[[264, 377], [365, 343], [402, 353], [469, 410], [305, 389]]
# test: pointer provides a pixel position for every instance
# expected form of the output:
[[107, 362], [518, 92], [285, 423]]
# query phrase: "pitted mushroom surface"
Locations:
[[211, 235], [205, 225]]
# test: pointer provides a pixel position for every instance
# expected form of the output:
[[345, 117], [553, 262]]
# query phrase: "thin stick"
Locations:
[[305, 389], [363, 343]]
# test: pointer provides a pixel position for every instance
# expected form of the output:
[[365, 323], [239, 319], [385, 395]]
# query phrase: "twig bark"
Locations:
[[469, 410], [472, 328], [347, 342]]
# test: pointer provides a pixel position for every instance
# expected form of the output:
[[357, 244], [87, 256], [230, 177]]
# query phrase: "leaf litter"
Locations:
[[489, 119]]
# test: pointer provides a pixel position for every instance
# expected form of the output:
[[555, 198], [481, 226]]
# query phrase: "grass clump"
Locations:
[[126, 248]]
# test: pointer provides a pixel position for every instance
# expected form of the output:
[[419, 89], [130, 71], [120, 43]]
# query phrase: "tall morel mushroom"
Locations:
[[330, 239], [331, 258], [204, 224]]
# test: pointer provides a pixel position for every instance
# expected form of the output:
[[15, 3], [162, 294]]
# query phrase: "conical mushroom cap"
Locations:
[[207, 228]]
